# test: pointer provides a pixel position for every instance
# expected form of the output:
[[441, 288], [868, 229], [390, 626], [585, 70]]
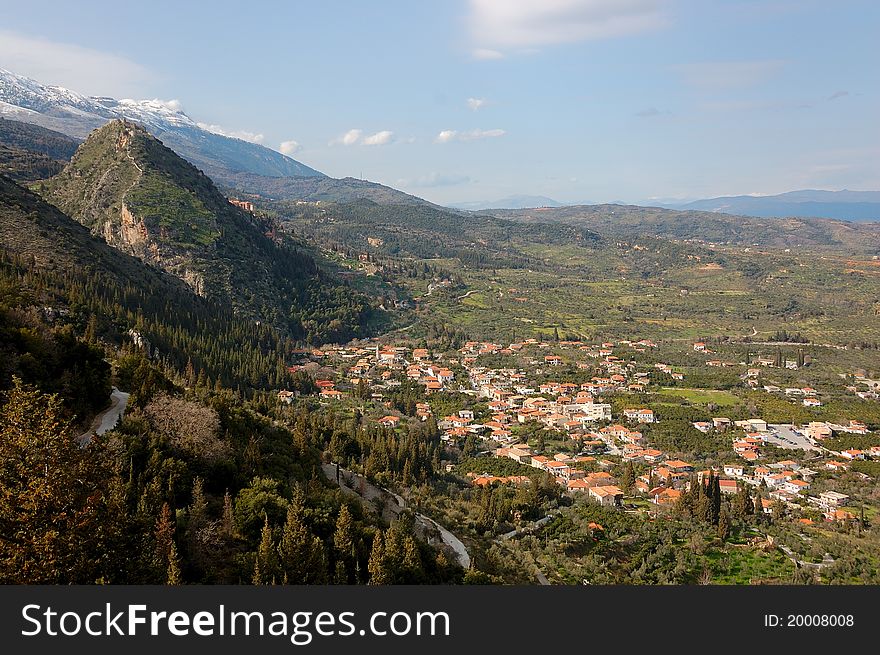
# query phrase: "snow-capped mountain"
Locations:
[[71, 113]]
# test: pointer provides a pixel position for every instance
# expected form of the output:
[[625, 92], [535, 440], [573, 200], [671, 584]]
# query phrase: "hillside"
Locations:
[[76, 115], [844, 205], [34, 138], [709, 227], [59, 268], [429, 232], [314, 189], [126, 186], [30, 152], [26, 166]]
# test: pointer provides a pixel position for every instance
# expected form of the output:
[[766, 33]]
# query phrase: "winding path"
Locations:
[[106, 420], [360, 486]]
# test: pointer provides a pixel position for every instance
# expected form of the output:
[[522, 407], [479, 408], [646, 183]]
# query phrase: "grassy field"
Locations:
[[701, 396], [742, 566]]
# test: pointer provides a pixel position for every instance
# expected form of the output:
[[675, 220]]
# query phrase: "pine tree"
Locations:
[[227, 522], [173, 576], [340, 576], [412, 560], [301, 553], [163, 539], [378, 566], [265, 565], [53, 494], [343, 541]]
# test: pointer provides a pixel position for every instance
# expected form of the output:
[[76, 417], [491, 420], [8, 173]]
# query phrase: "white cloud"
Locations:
[[486, 53], [244, 135], [348, 139], [379, 138], [501, 24], [838, 94], [719, 75], [476, 103], [289, 147], [356, 137], [72, 66], [454, 135], [446, 136], [173, 105]]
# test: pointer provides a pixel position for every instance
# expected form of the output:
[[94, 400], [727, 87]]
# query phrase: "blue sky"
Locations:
[[579, 100]]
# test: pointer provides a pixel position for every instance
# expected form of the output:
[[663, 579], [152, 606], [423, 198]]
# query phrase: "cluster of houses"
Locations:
[[568, 471], [515, 396], [865, 388]]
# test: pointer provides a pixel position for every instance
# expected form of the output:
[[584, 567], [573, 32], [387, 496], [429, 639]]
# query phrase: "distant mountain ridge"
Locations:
[[68, 112], [842, 205], [509, 202], [316, 189], [631, 222]]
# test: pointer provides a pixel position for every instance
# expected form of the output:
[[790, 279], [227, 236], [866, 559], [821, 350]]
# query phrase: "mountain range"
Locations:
[[26, 100], [844, 205], [508, 202]]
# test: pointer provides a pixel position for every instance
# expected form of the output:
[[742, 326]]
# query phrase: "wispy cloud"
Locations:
[[379, 138], [244, 135], [838, 94], [720, 75], [435, 180], [486, 53], [80, 69], [289, 147], [476, 103], [472, 135], [497, 25]]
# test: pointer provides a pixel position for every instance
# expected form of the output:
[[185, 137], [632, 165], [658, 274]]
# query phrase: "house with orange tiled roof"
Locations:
[[600, 479], [389, 421], [795, 486], [539, 461], [665, 495], [577, 486], [609, 496], [558, 469]]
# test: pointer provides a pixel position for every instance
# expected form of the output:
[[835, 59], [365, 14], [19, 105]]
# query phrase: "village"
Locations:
[[592, 439]]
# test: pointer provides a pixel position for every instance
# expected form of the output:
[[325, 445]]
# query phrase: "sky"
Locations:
[[473, 100]]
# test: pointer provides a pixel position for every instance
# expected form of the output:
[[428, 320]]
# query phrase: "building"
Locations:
[[830, 500], [242, 204], [639, 415], [609, 496]]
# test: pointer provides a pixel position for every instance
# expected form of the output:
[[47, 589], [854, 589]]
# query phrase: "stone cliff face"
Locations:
[[122, 199]]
